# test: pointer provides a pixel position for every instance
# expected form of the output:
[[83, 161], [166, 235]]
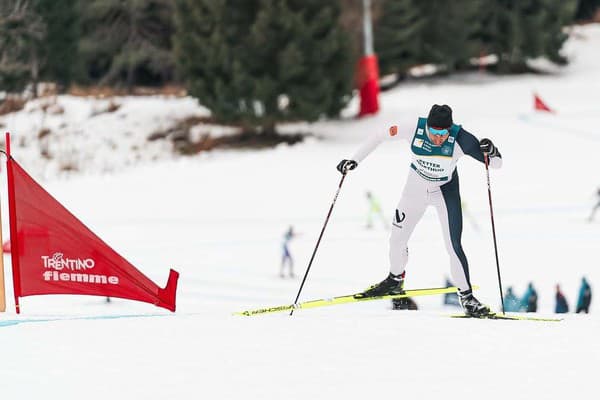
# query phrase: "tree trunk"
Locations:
[[35, 72]]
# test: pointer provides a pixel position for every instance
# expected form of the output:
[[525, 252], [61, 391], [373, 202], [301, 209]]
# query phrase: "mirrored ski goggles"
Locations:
[[438, 131]]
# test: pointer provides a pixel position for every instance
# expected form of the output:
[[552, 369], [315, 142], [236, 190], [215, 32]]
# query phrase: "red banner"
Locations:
[[55, 253]]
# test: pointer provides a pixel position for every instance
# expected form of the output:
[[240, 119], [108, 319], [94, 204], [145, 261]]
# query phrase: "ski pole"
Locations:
[[487, 172], [318, 241]]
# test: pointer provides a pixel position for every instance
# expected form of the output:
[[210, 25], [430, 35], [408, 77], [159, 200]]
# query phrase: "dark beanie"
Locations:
[[440, 116]]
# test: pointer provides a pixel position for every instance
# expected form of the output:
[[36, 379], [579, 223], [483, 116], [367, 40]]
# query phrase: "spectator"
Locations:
[[585, 297], [529, 301], [561, 302], [511, 302]]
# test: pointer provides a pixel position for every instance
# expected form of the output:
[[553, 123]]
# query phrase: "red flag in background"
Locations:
[[539, 105], [54, 253]]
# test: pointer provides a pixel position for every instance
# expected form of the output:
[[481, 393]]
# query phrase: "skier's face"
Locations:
[[437, 135]]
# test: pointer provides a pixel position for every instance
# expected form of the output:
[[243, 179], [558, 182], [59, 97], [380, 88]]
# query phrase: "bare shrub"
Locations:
[[12, 104]]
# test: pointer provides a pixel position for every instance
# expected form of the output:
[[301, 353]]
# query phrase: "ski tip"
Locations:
[[241, 313]]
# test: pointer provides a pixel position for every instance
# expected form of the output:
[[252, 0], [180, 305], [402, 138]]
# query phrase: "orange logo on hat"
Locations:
[[393, 130]]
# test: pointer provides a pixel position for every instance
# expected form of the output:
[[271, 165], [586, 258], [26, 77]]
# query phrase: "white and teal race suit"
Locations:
[[432, 180]]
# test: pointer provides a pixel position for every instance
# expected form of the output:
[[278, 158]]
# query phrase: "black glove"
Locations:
[[346, 165], [487, 146]]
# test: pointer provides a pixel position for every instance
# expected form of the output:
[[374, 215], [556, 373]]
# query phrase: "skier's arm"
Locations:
[[363, 151], [393, 132], [369, 145], [473, 147]]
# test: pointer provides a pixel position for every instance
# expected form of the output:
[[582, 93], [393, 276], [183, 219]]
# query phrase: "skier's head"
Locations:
[[440, 116], [438, 123]]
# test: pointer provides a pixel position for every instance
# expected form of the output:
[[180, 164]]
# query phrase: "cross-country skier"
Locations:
[[591, 218], [436, 144], [374, 208], [286, 255]]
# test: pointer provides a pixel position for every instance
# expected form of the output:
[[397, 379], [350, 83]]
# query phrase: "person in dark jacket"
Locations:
[[529, 302], [585, 297], [562, 306]]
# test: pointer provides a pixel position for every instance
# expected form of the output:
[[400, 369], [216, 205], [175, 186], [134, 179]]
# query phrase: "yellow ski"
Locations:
[[347, 299]]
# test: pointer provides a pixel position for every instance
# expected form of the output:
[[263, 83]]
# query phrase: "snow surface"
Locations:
[[218, 218]]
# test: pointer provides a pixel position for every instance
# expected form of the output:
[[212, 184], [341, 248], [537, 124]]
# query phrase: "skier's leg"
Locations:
[[409, 212], [410, 209], [447, 203]]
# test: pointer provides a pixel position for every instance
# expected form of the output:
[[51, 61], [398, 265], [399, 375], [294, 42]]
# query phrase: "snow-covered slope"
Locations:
[[218, 218], [56, 135]]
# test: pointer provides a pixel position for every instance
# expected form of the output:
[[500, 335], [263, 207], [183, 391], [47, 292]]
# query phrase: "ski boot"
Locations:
[[393, 284], [404, 303], [473, 307]]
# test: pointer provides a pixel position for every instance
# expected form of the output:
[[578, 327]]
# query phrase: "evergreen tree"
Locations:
[[22, 32], [556, 17], [59, 49], [413, 32], [398, 36], [259, 62], [449, 32], [587, 9], [127, 41], [516, 30], [209, 46]]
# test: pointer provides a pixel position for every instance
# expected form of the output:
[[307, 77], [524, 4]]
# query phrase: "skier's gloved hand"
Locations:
[[346, 165], [487, 146]]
